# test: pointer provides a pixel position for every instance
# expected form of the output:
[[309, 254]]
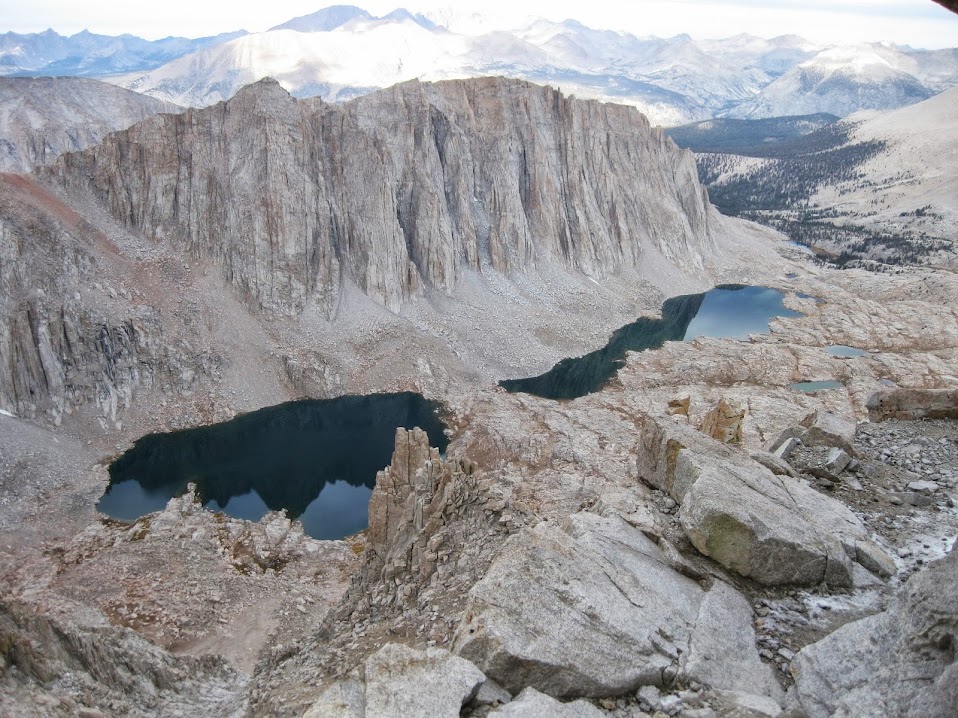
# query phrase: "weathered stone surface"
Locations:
[[774, 529], [913, 404], [898, 663], [401, 189], [837, 460], [724, 422], [784, 449], [401, 681], [747, 705], [595, 614], [407, 505], [45, 116], [774, 463], [595, 610], [722, 649], [57, 351], [680, 406], [108, 669], [875, 559], [823, 428], [530, 703]]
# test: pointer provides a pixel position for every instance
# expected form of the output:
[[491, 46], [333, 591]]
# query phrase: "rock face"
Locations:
[[58, 351], [772, 528], [401, 681], [913, 404], [596, 610], [407, 507], [533, 704], [407, 188], [900, 662], [43, 117], [55, 668], [724, 422]]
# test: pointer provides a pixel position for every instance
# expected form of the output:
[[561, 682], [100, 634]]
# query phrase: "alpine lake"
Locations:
[[315, 458], [318, 459]]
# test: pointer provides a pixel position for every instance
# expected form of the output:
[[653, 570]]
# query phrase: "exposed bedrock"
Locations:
[[770, 527], [402, 189], [594, 608], [901, 662], [66, 340]]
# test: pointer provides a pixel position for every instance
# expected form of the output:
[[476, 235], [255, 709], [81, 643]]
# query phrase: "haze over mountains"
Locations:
[[343, 51]]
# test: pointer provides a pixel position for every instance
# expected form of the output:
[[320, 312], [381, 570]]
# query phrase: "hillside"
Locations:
[[875, 186], [41, 118]]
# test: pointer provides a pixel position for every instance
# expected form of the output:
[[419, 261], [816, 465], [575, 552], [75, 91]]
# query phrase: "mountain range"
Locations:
[[343, 51]]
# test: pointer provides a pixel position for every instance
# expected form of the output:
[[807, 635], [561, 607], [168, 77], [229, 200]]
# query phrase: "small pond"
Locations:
[[730, 311], [317, 459], [810, 387], [840, 350], [800, 247]]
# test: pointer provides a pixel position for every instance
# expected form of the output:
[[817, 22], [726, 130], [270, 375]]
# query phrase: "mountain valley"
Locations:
[[752, 526]]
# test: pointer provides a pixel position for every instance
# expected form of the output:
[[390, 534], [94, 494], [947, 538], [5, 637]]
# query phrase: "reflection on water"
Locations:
[[316, 459], [732, 311], [840, 350]]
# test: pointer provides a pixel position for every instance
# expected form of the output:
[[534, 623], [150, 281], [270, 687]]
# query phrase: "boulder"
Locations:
[[898, 663], [594, 609], [533, 704], [401, 681], [774, 529], [823, 428], [680, 407], [784, 449], [722, 650], [724, 422], [837, 460], [776, 464], [913, 404]]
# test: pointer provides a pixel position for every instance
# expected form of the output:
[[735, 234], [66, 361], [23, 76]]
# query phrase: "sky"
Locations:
[[919, 23]]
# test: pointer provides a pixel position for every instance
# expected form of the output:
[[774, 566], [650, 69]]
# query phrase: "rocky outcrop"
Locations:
[[52, 667], [533, 704], [43, 117], [724, 422], [407, 188], [595, 609], [901, 662], [913, 404], [408, 506], [766, 526], [58, 351], [401, 681]]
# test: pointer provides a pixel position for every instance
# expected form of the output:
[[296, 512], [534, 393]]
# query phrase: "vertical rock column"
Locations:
[[408, 507]]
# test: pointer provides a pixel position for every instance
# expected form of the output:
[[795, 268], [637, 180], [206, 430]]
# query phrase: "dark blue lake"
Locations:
[[731, 311], [316, 458]]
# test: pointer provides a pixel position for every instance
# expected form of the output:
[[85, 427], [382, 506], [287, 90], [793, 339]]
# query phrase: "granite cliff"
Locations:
[[408, 188]]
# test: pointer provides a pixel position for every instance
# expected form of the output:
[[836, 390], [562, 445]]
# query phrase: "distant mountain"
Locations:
[[325, 20], [43, 117], [343, 51], [842, 80], [86, 54]]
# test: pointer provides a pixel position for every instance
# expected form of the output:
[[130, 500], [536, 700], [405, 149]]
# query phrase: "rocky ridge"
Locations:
[[405, 189], [43, 117], [127, 273]]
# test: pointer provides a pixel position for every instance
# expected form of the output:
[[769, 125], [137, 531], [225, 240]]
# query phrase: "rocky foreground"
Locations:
[[696, 540]]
